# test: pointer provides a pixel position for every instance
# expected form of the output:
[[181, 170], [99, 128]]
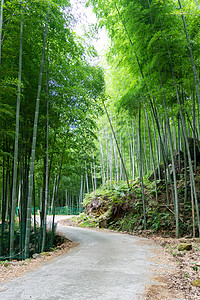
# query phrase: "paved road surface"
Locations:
[[104, 266]]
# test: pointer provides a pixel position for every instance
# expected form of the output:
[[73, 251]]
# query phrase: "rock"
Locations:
[[102, 224], [178, 155], [103, 219], [97, 207], [180, 254], [187, 237], [46, 254], [13, 263], [162, 173], [198, 264], [184, 246], [36, 255], [196, 282]]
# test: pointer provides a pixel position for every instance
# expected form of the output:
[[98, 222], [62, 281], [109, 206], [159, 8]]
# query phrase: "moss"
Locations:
[[196, 282], [184, 246]]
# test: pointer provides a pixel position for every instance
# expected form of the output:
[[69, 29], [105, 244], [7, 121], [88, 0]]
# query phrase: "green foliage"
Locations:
[[71, 87], [5, 263], [84, 220], [122, 208]]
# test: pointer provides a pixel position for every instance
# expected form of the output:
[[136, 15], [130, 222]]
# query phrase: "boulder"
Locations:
[[178, 155], [103, 219], [96, 206], [102, 223], [178, 160], [184, 246], [36, 255], [162, 173]]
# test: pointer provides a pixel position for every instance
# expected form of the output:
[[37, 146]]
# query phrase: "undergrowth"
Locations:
[[117, 207]]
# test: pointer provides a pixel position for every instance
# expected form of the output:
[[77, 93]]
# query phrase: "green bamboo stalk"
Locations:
[[108, 155], [151, 151], [141, 169], [102, 161], [1, 24], [86, 178], [185, 137], [196, 80], [56, 196], [30, 190], [14, 187], [47, 169], [121, 158]]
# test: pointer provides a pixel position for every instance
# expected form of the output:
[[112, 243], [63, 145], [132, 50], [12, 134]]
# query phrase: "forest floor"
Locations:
[[185, 266]]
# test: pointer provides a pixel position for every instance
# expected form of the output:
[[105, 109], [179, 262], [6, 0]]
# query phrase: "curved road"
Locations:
[[104, 266]]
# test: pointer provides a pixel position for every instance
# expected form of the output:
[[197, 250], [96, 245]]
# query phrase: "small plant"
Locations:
[[174, 253], [194, 267], [28, 259], [5, 263], [197, 248]]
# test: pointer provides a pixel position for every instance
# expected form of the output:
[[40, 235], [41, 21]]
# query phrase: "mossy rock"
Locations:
[[103, 219], [46, 254], [102, 223], [196, 282], [184, 246]]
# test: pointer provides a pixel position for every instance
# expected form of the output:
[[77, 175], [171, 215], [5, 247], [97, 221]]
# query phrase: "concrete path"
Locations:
[[104, 266]]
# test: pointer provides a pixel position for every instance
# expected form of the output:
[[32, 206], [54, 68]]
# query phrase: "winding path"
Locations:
[[104, 266]]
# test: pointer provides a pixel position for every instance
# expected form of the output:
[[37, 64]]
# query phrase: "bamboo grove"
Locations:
[[48, 104], [64, 132], [152, 99]]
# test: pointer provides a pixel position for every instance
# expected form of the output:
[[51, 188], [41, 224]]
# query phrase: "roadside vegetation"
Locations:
[[118, 207]]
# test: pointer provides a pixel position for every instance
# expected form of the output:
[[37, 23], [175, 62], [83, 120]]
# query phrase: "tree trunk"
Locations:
[[102, 161], [151, 152], [107, 156], [47, 171], [86, 178], [95, 179], [124, 168], [30, 190], [1, 25], [141, 168], [14, 187]]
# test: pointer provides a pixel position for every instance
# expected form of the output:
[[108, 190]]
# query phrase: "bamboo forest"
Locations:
[[115, 139]]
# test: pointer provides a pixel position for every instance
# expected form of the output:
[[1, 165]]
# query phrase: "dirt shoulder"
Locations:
[[12, 269], [186, 268]]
